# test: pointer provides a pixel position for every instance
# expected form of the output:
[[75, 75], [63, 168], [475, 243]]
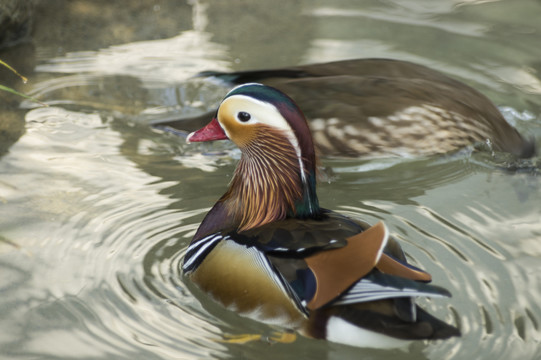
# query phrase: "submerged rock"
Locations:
[[15, 22]]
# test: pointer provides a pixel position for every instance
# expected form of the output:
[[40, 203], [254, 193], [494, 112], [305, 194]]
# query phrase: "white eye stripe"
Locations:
[[264, 113], [260, 111]]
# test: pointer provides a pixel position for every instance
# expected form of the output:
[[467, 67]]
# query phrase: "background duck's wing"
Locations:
[[376, 104]]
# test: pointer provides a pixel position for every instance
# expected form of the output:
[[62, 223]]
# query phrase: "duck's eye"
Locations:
[[243, 116]]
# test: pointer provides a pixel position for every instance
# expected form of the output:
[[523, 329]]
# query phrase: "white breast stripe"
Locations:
[[198, 248]]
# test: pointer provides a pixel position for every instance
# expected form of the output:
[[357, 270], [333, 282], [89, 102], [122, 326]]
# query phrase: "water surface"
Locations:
[[97, 208]]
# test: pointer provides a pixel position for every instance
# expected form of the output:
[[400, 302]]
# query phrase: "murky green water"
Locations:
[[96, 208]]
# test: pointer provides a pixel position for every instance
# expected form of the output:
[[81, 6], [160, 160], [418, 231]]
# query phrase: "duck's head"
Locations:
[[278, 162], [248, 111]]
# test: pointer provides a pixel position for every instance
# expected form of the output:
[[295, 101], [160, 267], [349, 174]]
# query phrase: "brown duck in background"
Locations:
[[381, 107]]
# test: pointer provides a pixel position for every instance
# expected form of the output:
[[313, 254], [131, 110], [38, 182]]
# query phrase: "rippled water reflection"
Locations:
[[97, 208]]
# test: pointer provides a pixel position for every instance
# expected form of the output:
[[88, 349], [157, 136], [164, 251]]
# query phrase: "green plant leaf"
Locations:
[[10, 90], [24, 79]]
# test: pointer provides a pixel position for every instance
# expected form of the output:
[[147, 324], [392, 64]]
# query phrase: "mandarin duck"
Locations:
[[382, 107], [267, 249]]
